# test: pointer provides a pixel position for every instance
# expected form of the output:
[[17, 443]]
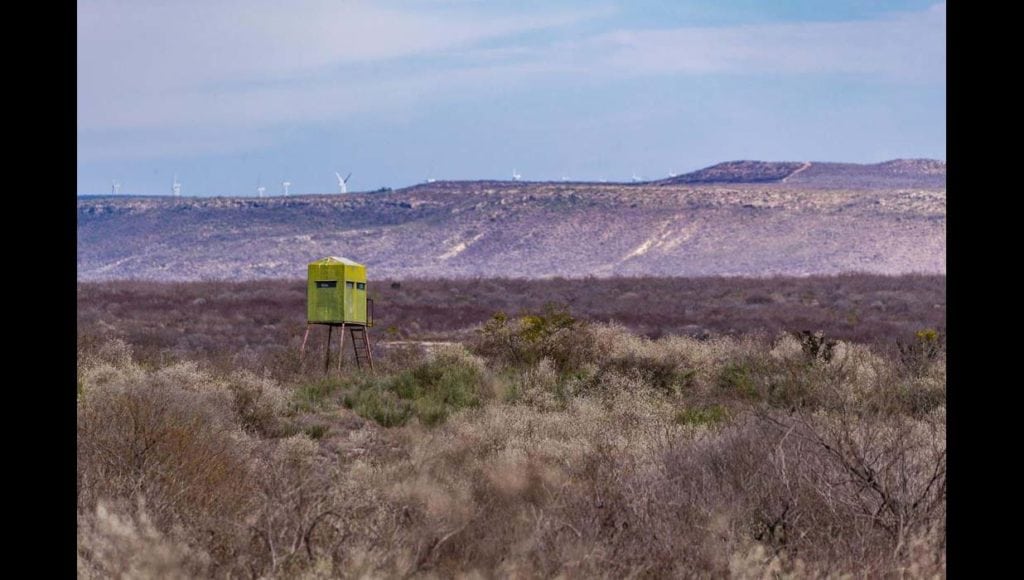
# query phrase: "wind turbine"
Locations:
[[343, 183], [176, 187], [115, 187], [636, 179], [286, 185], [259, 186], [516, 176]]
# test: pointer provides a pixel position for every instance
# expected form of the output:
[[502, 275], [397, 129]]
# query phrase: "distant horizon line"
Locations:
[[512, 180]]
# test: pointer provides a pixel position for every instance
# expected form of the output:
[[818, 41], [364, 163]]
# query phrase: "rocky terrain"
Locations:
[[738, 218]]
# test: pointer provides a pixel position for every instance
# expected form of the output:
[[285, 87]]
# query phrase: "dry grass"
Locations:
[[259, 325], [577, 450]]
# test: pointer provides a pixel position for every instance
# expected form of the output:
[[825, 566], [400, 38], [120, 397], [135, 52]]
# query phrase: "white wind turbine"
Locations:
[[516, 176], [343, 183], [260, 189], [286, 185], [115, 187], [636, 178], [176, 186]]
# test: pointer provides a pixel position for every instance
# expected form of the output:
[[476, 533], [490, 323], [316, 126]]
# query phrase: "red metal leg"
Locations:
[[341, 347], [327, 351], [369, 353]]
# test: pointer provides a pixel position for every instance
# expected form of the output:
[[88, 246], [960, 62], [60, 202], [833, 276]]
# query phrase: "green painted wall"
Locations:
[[336, 291]]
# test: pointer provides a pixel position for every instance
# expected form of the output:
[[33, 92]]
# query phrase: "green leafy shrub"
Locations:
[[381, 405], [313, 396], [703, 416], [738, 377], [430, 391]]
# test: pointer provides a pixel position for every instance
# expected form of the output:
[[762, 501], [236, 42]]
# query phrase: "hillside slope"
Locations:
[[517, 229], [897, 173]]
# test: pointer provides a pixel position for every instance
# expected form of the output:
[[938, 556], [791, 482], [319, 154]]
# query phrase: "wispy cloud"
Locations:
[[176, 44], [143, 64], [901, 47], [195, 69]]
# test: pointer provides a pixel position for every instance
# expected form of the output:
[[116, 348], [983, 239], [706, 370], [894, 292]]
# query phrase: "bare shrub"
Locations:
[[886, 470], [294, 507], [538, 387], [917, 354], [176, 448], [758, 563], [674, 457], [258, 401], [110, 363], [816, 347], [552, 334], [116, 545]]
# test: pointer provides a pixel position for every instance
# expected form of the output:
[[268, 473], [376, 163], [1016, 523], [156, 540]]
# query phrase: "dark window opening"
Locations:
[[326, 283], [360, 286], [348, 284]]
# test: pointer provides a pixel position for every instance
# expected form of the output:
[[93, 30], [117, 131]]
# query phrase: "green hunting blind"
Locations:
[[336, 292], [336, 296]]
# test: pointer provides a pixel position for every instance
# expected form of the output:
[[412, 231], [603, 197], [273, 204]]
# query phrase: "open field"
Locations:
[[598, 441], [255, 319]]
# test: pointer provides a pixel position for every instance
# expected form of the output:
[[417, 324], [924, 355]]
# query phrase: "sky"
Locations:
[[229, 95]]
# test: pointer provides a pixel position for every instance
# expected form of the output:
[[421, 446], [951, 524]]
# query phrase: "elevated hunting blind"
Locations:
[[336, 292], [336, 296]]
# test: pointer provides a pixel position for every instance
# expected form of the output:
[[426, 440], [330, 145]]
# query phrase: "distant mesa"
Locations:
[[914, 167], [896, 173], [925, 173], [738, 172]]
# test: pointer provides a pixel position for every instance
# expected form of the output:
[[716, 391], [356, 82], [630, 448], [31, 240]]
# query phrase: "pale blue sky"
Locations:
[[229, 93]]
